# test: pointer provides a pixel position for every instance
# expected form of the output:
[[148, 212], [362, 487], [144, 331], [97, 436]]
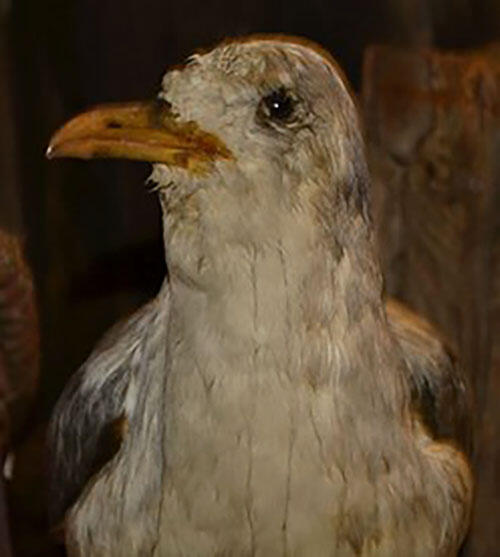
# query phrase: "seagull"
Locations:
[[268, 401]]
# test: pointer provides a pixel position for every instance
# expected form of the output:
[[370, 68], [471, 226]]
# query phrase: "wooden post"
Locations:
[[433, 129]]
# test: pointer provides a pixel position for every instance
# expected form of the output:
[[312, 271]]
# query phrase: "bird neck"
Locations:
[[306, 299]]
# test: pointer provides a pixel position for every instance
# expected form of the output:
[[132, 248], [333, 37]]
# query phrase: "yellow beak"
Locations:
[[146, 131]]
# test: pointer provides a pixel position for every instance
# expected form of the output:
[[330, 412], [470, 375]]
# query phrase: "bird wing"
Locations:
[[440, 391], [89, 419]]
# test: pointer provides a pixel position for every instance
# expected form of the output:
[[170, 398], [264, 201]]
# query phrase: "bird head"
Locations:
[[243, 130]]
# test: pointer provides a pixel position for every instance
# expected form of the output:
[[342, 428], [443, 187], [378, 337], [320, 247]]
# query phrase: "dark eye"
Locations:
[[279, 105]]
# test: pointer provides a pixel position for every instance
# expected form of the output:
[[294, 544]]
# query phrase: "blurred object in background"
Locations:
[[19, 357], [19, 340], [433, 123], [413, 22]]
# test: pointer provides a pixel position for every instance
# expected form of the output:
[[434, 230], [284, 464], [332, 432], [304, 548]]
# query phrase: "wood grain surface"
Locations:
[[432, 122]]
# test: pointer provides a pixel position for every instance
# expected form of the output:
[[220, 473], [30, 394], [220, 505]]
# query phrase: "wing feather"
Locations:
[[439, 387], [84, 432]]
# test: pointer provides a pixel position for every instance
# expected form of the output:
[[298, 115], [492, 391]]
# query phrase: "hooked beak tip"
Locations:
[[50, 152]]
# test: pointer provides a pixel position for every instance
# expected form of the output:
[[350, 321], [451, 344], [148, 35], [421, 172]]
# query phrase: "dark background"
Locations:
[[92, 230]]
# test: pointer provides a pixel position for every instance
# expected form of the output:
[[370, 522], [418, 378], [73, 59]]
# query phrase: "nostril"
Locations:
[[114, 125]]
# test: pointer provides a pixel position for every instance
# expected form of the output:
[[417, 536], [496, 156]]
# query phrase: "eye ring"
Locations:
[[279, 106]]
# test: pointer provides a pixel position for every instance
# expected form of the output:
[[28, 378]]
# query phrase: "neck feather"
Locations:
[[306, 298]]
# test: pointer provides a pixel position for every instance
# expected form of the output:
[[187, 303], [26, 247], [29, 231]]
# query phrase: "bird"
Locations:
[[270, 400]]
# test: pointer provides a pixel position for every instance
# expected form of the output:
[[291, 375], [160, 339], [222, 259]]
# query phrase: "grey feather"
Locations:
[[81, 433]]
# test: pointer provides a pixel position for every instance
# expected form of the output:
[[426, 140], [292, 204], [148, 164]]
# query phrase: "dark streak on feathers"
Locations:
[[440, 393], [89, 422]]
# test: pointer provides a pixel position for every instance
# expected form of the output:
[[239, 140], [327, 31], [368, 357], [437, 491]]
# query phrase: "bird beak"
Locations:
[[145, 131]]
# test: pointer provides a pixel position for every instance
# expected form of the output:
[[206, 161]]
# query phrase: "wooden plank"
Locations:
[[432, 123]]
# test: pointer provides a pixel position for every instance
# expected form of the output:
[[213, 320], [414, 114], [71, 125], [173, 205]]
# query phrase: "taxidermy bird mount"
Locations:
[[262, 404]]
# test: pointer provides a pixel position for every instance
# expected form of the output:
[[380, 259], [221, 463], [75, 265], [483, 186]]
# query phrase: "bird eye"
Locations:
[[279, 106]]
